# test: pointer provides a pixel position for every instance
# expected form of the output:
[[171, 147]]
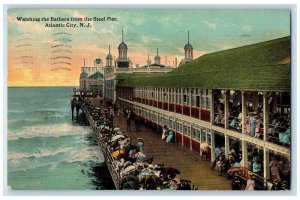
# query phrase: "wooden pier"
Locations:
[[191, 165]]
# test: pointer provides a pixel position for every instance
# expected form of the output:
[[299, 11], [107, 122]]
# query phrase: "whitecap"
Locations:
[[53, 130], [15, 157], [15, 111], [23, 120], [48, 110], [20, 161]]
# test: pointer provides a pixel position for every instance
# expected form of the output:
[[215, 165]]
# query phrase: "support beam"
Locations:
[[156, 91], [213, 146], [181, 98], [190, 99], [244, 161], [212, 106], [243, 113], [226, 110], [190, 127], [227, 147], [175, 99], [266, 114], [169, 91], [266, 163], [181, 131], [200, 104]]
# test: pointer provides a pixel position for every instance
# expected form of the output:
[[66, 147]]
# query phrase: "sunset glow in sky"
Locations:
[[53, 56]]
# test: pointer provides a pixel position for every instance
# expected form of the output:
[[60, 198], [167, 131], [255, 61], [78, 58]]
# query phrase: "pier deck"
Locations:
[[175, 155], [190, 164]]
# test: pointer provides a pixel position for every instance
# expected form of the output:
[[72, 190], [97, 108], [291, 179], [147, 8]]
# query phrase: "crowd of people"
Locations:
[[278, 128], [253, 173], [134, 169], [137, 171], [222, 164]]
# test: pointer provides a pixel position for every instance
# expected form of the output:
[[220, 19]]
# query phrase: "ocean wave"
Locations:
[[17, 156], [91, 153], [19, 161], [14, 103], [23, 120], [53, 130], [48, 110], [56, 116], [15, 111]]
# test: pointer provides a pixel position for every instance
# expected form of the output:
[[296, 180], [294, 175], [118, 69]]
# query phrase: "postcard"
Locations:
[[149, 99]]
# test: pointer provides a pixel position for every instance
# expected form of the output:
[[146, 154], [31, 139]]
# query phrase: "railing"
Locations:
[[219, 119], [282, 138], [105, 150], [235, 123]]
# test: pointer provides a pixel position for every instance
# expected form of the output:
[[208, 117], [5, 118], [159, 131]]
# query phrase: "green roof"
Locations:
[[262, 67]]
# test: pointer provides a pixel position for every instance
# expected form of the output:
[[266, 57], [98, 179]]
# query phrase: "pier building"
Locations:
[[237, 100], [91, 79]]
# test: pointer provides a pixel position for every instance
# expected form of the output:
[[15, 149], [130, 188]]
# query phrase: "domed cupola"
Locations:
[[122, 49], [109, 58], [188, 46], [188, 50], [122, 46], [157, 58]]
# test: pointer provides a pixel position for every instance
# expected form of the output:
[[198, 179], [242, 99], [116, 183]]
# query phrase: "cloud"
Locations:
[[169, 21], [210, 24], [247, 28], [150, 38]]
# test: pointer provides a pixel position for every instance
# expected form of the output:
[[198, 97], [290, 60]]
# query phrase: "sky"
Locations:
[[53, 56]]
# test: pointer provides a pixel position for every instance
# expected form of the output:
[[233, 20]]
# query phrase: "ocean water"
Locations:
[[45, 149]]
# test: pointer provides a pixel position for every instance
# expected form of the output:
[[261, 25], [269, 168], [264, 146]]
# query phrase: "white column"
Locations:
[[227, 147], [243, 112], [266, 115], [181, 131], [266, 164], [156, 97], [181, 99], [190, 102], [190, 127], [213, 146], [226, 110], [147, 95], [200, 103], [244, 161], [169, 90], [175, 99], [212, 106]]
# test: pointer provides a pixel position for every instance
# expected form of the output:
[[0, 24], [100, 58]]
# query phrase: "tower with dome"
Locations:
[[122, 61], [188, 52]]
